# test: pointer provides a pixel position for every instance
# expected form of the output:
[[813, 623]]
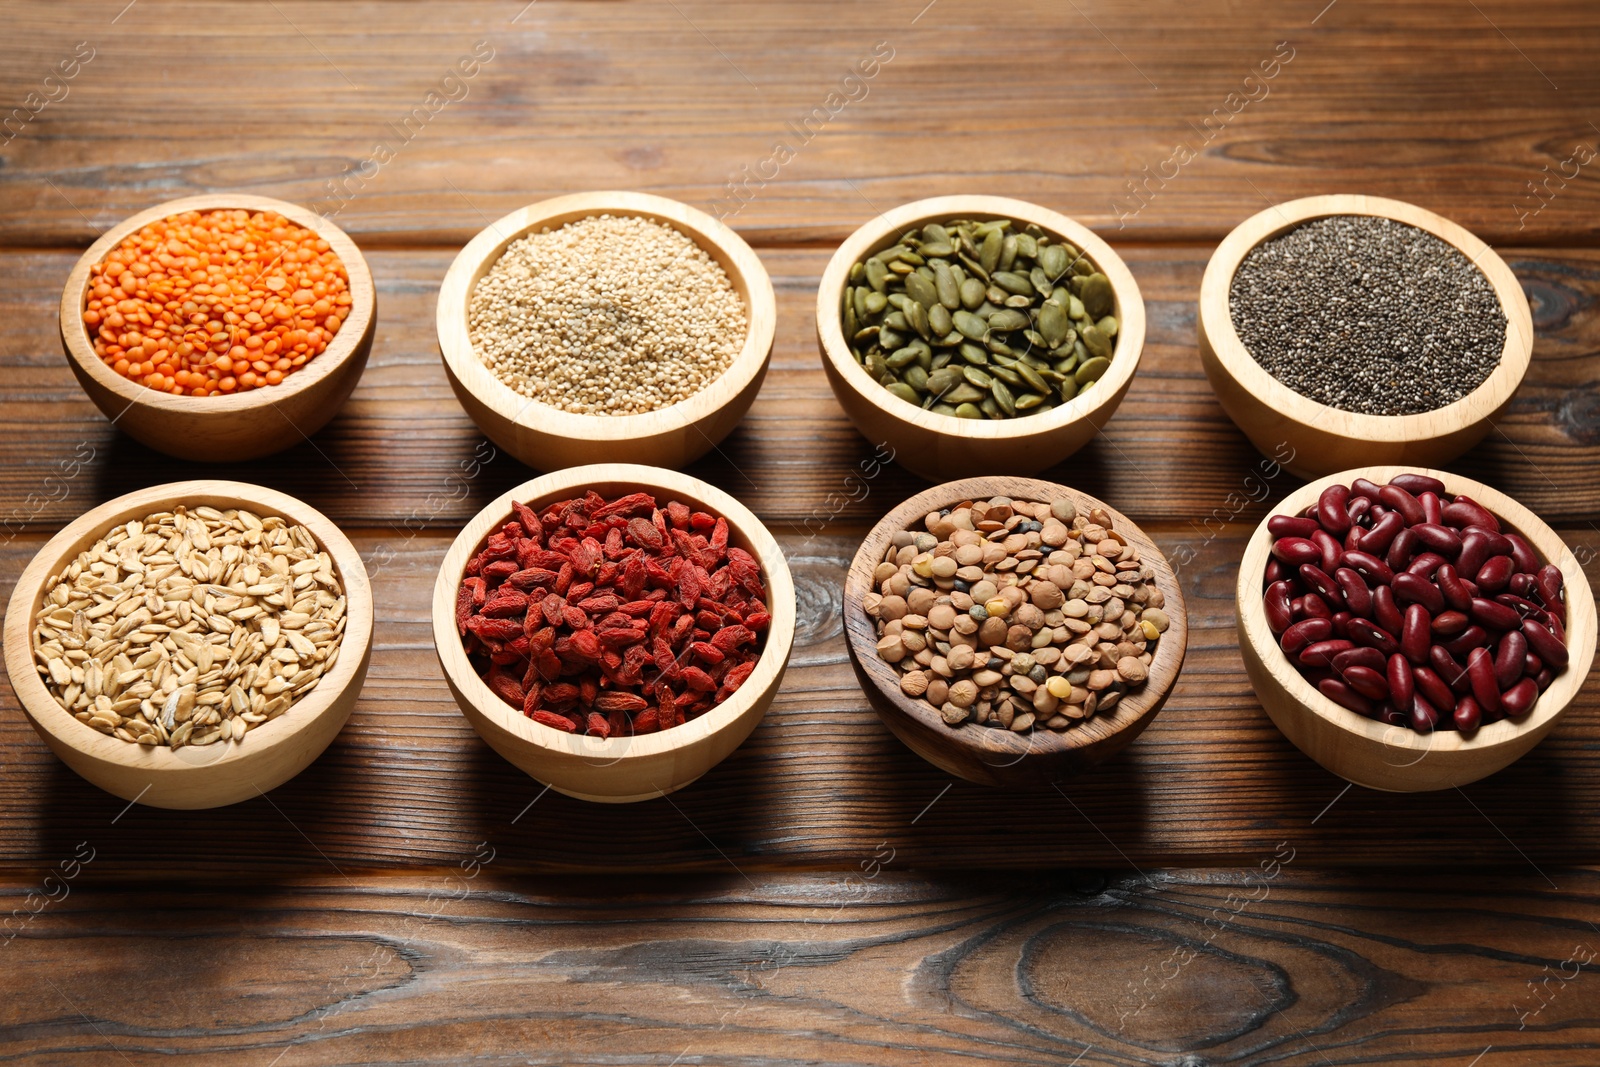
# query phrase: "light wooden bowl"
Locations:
[[942, 446], [548, 438], [220, 773], [1398, 759], [623, 769], [1326, 439], [242, 425], [984, 754]]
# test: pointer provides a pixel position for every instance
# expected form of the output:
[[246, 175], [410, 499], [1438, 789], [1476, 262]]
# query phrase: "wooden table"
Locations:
[[823, 896]]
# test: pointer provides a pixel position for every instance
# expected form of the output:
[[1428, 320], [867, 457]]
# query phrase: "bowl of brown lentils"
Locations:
[[976, 334], [606, 327], [191, 645], [1013, 631]]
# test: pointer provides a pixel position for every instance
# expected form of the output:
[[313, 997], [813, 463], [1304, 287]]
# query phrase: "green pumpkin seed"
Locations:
[[877, 274], [999, 347], [1008, 251], [990, 252], [859, 301], [1053, 261], [1003, 397], [937, 248], [1068, 389], [916, 377], [1082, 267], [917, 316], [902, 358], [973, 354], [1012, 283], [951, 338], [890, 339], [1031, 376], [1075, 309], [921, 290], [1097, 343], [939, 320], [1041, 282], [968, 410], [947, 285], [896, 320], [972, 294], [898, 301], [1008, 319], [970, 325], [875, 365], [944, 379], [977, 378], [965, 393], [1027, 244], [1006, 374], [858, 272], [905, 392], [901, 268], [1052, 323], [1108, 325], [990, 409], [876, 302], [934, 232], [1096, 295], [943, 409], [1092, 371], [940, 359], [866, 335], [852, 325], [1029, 402]]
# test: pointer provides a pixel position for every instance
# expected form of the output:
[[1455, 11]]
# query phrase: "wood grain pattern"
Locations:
[[820, 782], [1269, 964], [1453, 106], [403, 454]]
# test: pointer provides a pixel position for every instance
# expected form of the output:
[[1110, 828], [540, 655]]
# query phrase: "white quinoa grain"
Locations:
[[607, 315]]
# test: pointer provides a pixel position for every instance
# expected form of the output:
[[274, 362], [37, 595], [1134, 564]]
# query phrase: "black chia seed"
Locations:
[[1369, 315]]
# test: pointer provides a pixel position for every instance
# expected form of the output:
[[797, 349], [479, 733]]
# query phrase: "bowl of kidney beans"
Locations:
[[1412, 630]]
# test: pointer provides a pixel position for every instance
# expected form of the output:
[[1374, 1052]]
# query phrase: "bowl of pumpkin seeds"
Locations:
[[978, 334]]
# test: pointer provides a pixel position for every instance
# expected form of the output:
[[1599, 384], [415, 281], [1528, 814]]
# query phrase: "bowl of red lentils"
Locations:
[[219, 327], [614, 630], [606, 327]]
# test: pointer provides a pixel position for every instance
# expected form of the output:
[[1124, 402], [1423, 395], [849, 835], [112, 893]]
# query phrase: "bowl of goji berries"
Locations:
[[219, 327], [614, 630]]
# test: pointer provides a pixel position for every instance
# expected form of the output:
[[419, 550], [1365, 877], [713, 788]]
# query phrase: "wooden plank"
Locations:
[[819, 783], [852, 967], [396, 455], [1457, 109]]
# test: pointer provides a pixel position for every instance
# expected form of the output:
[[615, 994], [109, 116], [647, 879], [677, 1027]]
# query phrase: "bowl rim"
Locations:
[[747, 531], [881, 231], [737, 259], [1216, 322], [1552, 703], [323, 368], [861, 632], [48, 714]]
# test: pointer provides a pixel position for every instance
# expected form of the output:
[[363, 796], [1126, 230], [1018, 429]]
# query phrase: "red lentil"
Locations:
[[612, 617]]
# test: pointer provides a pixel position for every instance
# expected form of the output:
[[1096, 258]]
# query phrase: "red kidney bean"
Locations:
[[1409, 589], [1448, 668], [1361, 487], [1356, 594], [1480, 673], [1544, 679], [1291, 526], [1518, 700], [1495, 573], [1464, 511], [1468, 715], [1423, 566], [1393, 716], [1547, 583], [1553, 622], [1278, 605], [1428, 684], [1275, 571], [1401, 550], [1332, 550], [1385, 612], [1365, 632], [1440, 539], [1352, 540], [1424, 716], [1544, 644], [1526, 559], [1304, 633], [1467, 640], [1344, 696], [1311, 606], [1402, 683], [1378, 539], [1510, 656], [1474, 550], [1357, 508], [1455, 594], [1368, 682], [1414, 635], [1493, 615], [1522, 584], [1322, 584], [1341, 623], [1321, 653], [1331, 513], [1296, 550], [1450, 623], [1359, 657], [1525, 609], [1432, 508], [1371, 567], [1403, 502], [1417, 484]]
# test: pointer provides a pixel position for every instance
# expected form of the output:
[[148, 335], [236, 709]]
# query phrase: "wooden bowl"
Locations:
[[241, 425], [223, 772], [1398, 759], [983, 754], [548, 438], [623, 769], [1325, 439], [942, 446]]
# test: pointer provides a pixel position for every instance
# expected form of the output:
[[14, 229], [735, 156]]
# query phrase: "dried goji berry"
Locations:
[[647, 721], [707, 652], [529, 520], [624, 504], [463, 608], [678, 515], [505, 687], [506, 604], [695, 678], [598, 725], [499, 570], [614, 701], [644, 533], [561, 693], [559, 722], [734, 679]]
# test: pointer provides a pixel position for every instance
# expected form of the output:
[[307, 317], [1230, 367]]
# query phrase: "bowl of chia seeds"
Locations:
[[1350, 330], [606, 327], [978, 335]]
